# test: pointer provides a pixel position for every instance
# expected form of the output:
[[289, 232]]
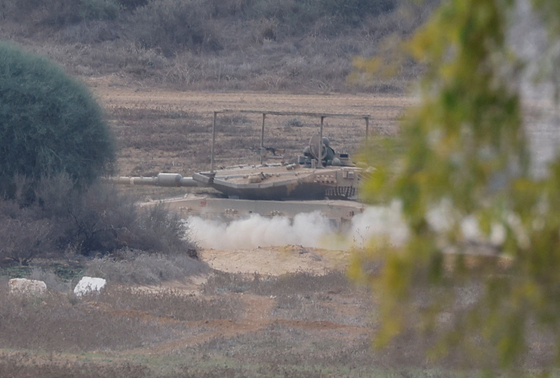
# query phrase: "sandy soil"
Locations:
[[276, 261], [114, 93]]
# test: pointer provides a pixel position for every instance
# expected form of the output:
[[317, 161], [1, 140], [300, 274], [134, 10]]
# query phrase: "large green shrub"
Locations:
[[49, 123]]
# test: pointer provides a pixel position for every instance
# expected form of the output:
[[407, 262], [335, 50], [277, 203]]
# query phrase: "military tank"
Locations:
[[320, 179]]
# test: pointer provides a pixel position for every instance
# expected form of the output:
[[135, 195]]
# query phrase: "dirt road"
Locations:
[[380, 107]]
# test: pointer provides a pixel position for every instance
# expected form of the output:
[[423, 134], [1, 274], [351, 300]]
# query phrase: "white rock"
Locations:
[[24, 286], [88, 285]]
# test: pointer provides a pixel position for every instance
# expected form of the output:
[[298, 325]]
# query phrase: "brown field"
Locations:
[[298, 319], [285, 311], [170, 131]]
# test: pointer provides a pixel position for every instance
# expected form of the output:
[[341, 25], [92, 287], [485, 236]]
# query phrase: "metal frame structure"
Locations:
[[264, 113]]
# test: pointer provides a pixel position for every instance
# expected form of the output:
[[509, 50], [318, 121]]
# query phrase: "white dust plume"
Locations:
[[306, 229]]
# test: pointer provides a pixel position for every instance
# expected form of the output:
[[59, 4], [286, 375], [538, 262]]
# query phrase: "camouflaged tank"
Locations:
[[320, 179], [333, 176]]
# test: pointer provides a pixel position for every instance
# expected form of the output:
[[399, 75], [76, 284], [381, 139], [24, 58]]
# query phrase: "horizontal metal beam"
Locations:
[[302, 114]]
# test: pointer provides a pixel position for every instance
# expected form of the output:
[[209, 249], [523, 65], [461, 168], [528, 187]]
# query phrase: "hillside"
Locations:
[[299, 46]]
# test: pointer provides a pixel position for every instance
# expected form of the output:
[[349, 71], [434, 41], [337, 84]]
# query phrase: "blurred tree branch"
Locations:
[[466, 159]]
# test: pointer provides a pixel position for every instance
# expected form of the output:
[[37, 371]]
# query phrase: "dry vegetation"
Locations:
[[167, 315], [171, 131], [292, 46], [55, 219], [299, 46], [232, 325], [214, 324]]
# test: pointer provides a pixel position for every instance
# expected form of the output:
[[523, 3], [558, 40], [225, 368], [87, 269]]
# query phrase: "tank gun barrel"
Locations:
[[162, 179]]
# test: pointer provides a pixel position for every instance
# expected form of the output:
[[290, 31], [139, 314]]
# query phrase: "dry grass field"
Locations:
[[214, 324], [160, 69], [267, 312], [301, 319], [170, 131]]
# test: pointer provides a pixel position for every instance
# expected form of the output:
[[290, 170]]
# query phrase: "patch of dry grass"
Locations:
[[301, 296], [171, 304], [25, 365], [57, 323], [300, 282], [137, 268], [297, 325]]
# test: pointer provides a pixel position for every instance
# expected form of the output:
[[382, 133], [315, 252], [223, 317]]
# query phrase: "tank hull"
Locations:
[[280, 183], [290, 191]]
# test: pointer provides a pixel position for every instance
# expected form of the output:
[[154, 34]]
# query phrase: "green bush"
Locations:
[[49, 123]]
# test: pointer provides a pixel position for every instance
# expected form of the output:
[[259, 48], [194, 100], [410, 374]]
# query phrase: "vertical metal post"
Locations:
[[213, 143], [367, 129], [321, 143], [262, 138]]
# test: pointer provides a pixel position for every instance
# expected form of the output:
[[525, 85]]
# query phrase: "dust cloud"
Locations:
[[306, 229]]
